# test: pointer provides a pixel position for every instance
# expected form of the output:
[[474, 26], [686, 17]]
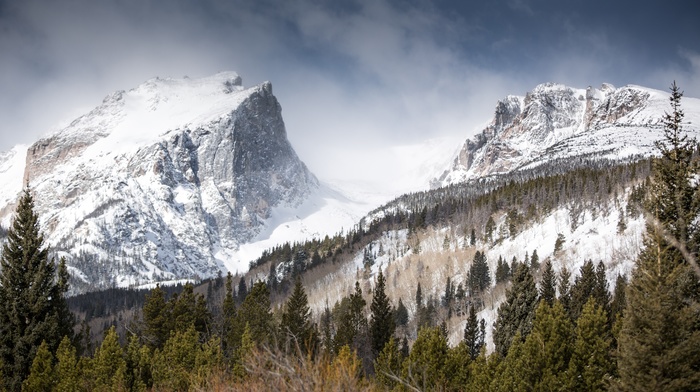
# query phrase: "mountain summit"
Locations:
[[556, 122], [160, 181]]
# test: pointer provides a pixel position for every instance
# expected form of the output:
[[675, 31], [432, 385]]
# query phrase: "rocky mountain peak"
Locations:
[[164, 180], [554, 121]]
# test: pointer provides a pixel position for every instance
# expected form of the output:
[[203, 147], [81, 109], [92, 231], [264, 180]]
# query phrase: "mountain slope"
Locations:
[[556, 122], [165, 180]]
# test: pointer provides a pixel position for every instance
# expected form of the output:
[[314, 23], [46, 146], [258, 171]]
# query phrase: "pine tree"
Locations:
[[109, 365], [388, 365], [42, 375], [32, 302], [659, 343], [353, 324], [502, 271], [67, 373], [381, 324], [156, 318], [548, 291], [425, 365], [591, 363], [296, 319], [516, 313], [472, 238]]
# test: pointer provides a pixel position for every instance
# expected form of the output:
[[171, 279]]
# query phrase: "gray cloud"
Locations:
[[351, 76]]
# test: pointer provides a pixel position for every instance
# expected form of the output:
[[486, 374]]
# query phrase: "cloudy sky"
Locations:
[[352, 76]]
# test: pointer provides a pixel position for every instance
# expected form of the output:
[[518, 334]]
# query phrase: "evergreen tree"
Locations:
[[425, 365], [479, 275], [32, 302], [42, 375], [619, 301], [583, 288], [473, 334], [516, 313], [564, 290], [353, 324], [296, 319], [400, 314], [256, 311], [591, 363], [659, 343], [388, 365], [229, 334], [600, 290], [502, 271], [559, 243], [535, 261], [472, 238], [109, 365], [381, 324], [67, 373], [548, 291], [156, 318]]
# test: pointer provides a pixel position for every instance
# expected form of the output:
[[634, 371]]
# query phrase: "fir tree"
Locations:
[[659, 343], [516, 313], [381, 324], [67, 374], [388, 365], [479, 275], [473, 334], [535, 261], [296, 319], [564, 290], [156, 319], [502, 271], [256, 311], [619, 301], [400, 314], [32, 303], [547, 286]]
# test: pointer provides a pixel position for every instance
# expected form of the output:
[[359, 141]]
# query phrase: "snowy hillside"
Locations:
[[556, 122]]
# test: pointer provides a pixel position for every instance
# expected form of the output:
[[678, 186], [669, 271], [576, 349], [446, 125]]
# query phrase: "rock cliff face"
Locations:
[[159, 182], [559, 122]]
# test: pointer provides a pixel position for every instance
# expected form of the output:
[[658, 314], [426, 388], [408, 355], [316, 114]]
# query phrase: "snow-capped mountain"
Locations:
[[555, 122], [168, 181]]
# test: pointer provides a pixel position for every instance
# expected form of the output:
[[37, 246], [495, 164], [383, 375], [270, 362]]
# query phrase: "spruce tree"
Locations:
[[583, 288], [296, 320], [381, 324], [473, 334], [659, 343], [256, 311], [564, 290], [516, 313], [548, 291], [32, 296]]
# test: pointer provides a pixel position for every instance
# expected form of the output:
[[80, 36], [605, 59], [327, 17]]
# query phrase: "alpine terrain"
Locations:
[[168, 181]]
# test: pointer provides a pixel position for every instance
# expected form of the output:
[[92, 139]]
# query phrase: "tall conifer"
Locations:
[[32, 302], [659, 343]]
